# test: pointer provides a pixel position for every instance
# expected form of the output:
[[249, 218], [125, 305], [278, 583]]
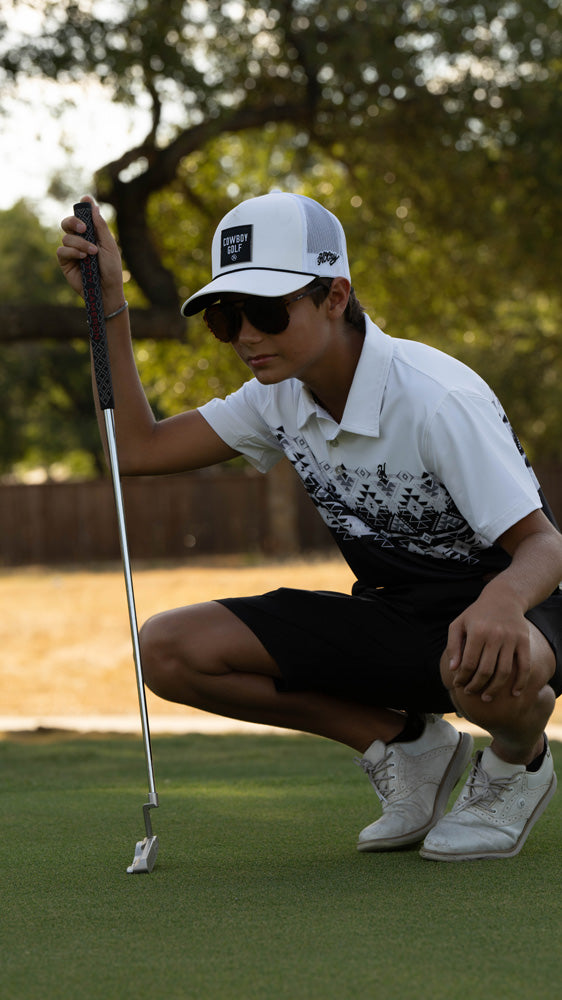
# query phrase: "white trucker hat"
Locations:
[[271, 246]]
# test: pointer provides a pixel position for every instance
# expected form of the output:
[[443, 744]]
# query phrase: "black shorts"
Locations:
[[383, 647]]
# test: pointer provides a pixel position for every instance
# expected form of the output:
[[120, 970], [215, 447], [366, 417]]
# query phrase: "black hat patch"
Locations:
[[236, 245]]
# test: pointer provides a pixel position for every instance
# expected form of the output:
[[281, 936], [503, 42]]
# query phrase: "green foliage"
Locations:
[[47, 417], [178, 377], [27, 274], [461, 287], [519, 354], [430, 128]]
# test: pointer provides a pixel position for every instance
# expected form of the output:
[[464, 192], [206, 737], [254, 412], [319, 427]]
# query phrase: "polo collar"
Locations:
[[364, 402]]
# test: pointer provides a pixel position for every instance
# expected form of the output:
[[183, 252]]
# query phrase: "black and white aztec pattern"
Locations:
[[395, 511]]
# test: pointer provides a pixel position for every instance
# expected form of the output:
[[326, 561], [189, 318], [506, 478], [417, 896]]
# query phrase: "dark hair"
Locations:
[[354, 312]]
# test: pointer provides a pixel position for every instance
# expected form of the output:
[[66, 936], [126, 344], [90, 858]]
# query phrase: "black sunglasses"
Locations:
[[268, 315]]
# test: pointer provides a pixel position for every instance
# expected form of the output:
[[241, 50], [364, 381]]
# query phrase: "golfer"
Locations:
[[411, 461]]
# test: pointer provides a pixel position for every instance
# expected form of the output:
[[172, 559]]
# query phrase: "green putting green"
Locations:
[[258, 891]]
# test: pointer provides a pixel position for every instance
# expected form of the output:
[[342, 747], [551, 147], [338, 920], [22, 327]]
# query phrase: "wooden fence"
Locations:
[[170, 516], [166, 516]]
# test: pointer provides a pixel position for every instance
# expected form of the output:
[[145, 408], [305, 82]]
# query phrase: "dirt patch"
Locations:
[[65, 639], [64, 634]]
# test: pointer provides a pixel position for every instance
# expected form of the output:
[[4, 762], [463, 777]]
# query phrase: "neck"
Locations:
[[331, 391]]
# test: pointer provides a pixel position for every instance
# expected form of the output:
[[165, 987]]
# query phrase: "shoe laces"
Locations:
[[380, 774], [482, 790]]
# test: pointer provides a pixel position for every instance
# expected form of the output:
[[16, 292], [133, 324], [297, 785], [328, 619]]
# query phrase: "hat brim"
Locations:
[[246, 281]]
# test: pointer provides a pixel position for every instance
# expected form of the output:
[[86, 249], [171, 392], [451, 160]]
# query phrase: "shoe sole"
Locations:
[[453, 774], [432, 855]]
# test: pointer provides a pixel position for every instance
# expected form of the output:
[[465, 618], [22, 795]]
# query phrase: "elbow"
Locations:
[[128, 466], [121, 458]]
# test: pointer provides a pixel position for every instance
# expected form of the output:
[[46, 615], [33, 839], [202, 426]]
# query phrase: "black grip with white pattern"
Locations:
[[94, 311]]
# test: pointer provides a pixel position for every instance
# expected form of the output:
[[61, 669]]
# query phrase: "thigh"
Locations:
[[546, 621], [210, 638], [543, 659], [369, 648]]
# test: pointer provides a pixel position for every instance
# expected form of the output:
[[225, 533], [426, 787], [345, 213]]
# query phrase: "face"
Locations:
[[290, 354], [300, 351]]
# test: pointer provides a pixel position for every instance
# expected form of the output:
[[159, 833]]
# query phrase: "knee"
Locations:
[[176, 651], [158, 656], [536, 697]]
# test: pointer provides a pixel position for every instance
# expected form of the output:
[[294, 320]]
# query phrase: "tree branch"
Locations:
[[130, 198], [28, 323]]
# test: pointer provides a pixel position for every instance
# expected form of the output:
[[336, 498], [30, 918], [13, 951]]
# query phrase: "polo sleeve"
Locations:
[[471, 448], [239, 421]]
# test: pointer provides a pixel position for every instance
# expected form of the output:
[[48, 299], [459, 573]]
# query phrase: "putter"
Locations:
[[146, 849]]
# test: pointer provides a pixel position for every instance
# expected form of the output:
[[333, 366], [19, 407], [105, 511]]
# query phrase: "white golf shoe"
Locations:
[[413, 782], [495, 811]]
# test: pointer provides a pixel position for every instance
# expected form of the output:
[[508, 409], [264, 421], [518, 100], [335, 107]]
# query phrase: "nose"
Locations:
[[248, 334]]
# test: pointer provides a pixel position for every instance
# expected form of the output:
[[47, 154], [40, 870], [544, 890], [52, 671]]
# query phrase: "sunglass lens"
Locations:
[[223, 320], [267, 315]]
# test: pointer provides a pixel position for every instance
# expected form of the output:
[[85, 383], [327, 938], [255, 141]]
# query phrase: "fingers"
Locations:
[[494, 670], [483, 661], [73, 241], [455, 644], [75, 248]]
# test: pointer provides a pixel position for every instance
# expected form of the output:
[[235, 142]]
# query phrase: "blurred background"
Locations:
[[430, 127]]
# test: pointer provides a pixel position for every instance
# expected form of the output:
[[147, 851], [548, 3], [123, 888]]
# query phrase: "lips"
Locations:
[[259, 359]]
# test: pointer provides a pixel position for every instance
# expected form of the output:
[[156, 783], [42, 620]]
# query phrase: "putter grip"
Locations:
[[94, 311]]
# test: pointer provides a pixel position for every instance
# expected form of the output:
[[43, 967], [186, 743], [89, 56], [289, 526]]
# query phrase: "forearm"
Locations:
[[134, 420], [489, 644], [536, 565], [146, 446]]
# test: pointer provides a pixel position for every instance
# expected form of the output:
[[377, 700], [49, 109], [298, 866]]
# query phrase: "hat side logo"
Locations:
[[326, 257], [236, 245]]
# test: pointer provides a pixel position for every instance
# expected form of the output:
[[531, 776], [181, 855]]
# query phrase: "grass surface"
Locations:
[[258, 891]]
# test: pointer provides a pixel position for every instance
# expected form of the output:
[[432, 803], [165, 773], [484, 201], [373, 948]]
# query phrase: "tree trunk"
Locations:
[[130, 199]]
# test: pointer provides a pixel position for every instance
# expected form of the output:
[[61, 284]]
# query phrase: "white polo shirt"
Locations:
[[421, 476]]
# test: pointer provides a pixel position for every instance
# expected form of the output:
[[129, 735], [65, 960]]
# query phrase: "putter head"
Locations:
[[145, 856]]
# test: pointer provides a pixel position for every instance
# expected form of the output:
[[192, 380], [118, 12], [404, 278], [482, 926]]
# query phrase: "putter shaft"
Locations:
[[147, 849], [114, 464]]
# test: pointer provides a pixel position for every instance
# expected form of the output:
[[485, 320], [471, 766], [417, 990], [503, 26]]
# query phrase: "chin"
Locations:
[[269, 378]]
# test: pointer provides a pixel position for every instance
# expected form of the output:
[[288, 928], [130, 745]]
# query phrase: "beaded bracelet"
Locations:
[[117, 311]]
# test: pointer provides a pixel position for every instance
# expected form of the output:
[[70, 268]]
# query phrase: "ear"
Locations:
[[338, 297]]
